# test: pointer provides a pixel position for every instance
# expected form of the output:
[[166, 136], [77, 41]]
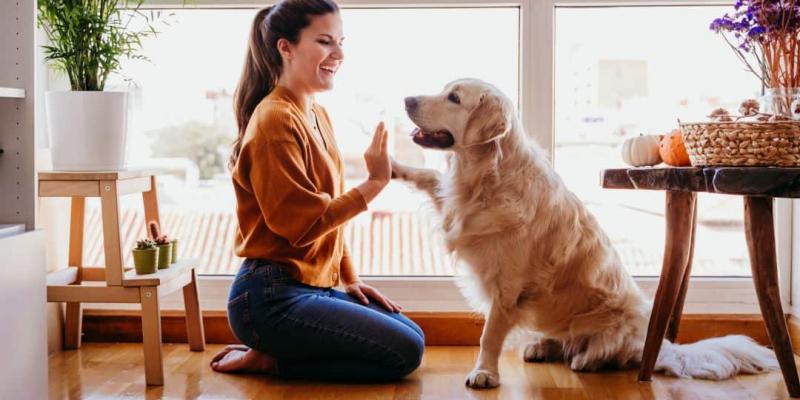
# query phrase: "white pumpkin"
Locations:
[[641, 151]]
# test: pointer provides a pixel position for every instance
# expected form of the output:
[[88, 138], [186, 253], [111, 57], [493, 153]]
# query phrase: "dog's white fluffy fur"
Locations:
[[535, 258]]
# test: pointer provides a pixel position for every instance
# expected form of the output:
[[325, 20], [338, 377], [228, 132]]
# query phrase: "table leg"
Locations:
[[194, 317], [758, 223], [150, 199], [73, 315], [112, 241], [680, 217], [677, 312], [151, 336]]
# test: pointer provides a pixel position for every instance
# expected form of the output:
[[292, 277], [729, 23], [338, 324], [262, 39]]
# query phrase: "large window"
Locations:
[[182, 123], [586, 75], [625, 71]]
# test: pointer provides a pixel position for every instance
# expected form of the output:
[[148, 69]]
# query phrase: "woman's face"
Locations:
[[314, 60]]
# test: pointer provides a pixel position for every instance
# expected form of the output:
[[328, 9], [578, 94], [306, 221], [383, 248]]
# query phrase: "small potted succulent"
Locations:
[[145, 256], [174, 243], [164, 245]]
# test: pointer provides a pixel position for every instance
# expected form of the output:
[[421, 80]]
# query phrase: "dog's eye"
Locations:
[[454, 98]]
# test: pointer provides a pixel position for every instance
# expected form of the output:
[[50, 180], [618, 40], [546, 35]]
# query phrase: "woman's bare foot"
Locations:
[[240, 358]]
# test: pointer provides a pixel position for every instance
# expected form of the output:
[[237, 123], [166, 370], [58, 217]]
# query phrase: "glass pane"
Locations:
[[182, 120], [637, 72]]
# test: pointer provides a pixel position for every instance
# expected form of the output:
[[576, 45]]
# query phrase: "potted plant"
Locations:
[[163, 244], [145, 257], [765, 36], [87, 41], [174, 243]]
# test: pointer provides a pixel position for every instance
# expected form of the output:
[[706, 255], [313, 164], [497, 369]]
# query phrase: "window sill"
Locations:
[[440, 294]]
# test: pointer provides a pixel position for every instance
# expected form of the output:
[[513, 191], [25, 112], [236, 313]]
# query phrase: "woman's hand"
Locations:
[[364, 292], [377, 156], [378, 164]]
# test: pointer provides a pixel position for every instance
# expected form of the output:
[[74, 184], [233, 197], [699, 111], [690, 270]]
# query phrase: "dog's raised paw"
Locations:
[[398, 170], [482, 379]]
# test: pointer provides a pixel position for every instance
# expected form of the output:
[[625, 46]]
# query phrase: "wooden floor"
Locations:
[[106, 370]]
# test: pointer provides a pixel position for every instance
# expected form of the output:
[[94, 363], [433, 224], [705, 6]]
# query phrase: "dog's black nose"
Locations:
[[411, 103]]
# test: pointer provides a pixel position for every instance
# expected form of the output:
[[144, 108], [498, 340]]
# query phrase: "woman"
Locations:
[[291, 207]]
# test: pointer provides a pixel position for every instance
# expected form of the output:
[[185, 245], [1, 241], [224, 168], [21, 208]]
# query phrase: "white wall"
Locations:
[[22, 309]]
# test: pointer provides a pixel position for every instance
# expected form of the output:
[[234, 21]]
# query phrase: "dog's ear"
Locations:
[[489, 121]]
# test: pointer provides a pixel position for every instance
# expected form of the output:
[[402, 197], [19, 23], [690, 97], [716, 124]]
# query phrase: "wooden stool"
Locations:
[[758, 186], [113, 283]]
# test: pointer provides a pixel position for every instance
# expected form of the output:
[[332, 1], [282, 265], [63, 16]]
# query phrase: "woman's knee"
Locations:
[[411, 324], [410, 346]]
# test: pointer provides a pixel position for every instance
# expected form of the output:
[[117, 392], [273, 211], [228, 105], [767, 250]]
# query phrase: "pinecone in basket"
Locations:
[[720, 115], [749, 108]]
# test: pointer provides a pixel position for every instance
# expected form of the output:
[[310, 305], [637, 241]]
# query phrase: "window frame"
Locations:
[[734, 295]]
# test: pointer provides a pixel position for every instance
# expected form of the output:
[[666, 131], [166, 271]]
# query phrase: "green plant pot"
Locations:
[[174, 243], [145, 261], [164, 255]]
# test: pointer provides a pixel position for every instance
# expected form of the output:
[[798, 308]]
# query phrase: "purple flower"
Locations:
[[722, 24], [756, 25], [756, 31]]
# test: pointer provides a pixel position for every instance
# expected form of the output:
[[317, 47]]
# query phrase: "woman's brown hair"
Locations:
[[263, 64]]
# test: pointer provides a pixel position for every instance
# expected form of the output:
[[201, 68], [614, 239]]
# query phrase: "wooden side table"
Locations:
[[758, 186], [113, 283]]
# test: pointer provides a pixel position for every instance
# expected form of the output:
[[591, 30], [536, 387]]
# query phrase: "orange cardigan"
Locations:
[[290, 199]]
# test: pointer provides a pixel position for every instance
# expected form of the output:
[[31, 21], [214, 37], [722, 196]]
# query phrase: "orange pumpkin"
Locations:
[[672, 150]]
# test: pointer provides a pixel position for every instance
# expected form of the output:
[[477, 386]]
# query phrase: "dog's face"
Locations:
[[468, 112]]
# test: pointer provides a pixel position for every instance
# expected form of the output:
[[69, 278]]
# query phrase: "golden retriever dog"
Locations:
[[535, 258]]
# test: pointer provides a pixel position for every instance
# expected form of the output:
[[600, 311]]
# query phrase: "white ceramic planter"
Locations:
[[88, 130]]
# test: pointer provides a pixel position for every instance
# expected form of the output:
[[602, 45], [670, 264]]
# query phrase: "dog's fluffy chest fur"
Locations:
[[487, 223]]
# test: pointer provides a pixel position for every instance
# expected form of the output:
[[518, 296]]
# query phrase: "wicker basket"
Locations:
[[771, 144]]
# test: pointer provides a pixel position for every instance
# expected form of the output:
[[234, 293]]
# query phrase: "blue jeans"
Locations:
[[319, 333]]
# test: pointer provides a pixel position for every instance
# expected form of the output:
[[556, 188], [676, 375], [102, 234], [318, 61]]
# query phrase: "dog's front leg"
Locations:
[[427, 180], [498, 323]]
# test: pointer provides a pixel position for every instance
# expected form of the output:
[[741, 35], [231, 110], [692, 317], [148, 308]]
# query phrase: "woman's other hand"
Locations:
[[363, 292]]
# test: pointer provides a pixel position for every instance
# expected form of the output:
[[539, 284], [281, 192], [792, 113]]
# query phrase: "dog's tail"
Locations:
[[716, 358]]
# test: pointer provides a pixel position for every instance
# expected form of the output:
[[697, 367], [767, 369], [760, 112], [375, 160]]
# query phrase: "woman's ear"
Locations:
[[285, 48]]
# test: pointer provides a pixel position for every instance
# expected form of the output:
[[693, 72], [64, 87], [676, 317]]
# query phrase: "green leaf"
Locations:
[[88, 38]]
